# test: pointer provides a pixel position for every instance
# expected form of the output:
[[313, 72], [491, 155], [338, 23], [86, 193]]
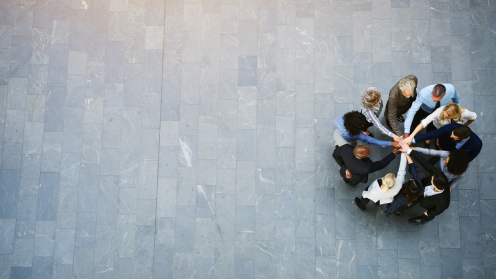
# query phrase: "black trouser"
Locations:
[[419, 116], [405, 207], [364, 201]]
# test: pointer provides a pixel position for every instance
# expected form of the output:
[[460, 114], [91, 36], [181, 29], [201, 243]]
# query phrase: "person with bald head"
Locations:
[[355, 164]]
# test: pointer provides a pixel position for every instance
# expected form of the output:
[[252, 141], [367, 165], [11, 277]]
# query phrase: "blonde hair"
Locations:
[[388, 182], [406, 84], [370, 97], [453, 111]]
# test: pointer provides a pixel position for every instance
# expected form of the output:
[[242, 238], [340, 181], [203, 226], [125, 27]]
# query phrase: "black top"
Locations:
[[359, 168]]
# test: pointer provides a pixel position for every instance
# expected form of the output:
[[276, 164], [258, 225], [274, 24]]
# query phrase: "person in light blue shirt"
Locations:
[[349, 129], [428, 100]]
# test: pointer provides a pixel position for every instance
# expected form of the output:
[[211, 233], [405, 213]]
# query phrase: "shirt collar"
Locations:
[[429, 191], [461, 143]]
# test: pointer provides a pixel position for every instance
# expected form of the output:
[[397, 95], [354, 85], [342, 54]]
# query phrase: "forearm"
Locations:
[[418, 129], [377, 123], [373, 141], [432, 152], [468, 122]]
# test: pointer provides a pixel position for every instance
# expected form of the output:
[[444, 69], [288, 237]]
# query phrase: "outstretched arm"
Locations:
[[400, 176], [411, 114], [432, 152], [446, 130], [413, 171], [373, 141], [423, 162], [377, 123], [379, 165]]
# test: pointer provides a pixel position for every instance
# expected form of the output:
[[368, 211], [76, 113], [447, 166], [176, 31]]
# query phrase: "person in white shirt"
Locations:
[[451, 113], [383, 190]]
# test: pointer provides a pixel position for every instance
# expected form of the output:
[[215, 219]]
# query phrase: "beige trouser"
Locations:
[[338, 139]]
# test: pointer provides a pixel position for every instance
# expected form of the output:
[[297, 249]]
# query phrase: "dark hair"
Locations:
[[439, 90], [353, 122], [462, 132], [440, 181], [458, 162], [411, 189]]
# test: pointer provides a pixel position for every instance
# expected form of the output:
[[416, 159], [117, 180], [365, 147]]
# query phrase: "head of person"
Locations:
[[452, 111], [457, 162], [388, 182], [438, 92], [461, 133], [370, 98], [361, 151], [407, 86], [411, 189], [353, 122], [440, 181]]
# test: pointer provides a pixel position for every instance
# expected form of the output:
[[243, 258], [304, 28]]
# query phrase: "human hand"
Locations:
[[396, 138], [407, 140], [396, 151], [348, 174], [395, 144], [405, 135], [404, 146], [437, 142], [425, 213]]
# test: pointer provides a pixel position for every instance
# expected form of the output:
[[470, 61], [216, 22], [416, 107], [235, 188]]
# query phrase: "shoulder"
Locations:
[[474, 138]]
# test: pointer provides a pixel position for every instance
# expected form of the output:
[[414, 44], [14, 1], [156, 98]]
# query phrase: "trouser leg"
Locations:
[[419, 116]]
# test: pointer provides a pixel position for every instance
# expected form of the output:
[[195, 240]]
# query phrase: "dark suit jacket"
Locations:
[[436, 204], [473, 146], [359, 168], [398, 104]]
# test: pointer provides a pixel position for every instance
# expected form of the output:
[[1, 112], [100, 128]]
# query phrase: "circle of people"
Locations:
[[436, 108]]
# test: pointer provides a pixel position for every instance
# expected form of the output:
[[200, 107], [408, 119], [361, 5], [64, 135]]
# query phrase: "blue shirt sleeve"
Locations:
[[456, 97], [361, 136], [411, 113]]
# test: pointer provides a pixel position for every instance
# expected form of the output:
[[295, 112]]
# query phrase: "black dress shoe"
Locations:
[[416, 221], [357, 202]]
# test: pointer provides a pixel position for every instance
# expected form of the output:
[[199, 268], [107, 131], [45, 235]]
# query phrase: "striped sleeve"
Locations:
[[370, 115]]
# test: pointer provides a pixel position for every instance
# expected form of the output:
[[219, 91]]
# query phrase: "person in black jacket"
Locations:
[[355, 164], [435, 197], [452, 136]]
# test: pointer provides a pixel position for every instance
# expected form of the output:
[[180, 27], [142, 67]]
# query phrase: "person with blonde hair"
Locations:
[[371, 109], [383, 190], [451, 113]]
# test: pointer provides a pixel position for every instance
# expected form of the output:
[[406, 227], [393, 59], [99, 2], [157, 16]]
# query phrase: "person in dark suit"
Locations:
[[454, 136], [401, 96], [435, 198], [355, 164]]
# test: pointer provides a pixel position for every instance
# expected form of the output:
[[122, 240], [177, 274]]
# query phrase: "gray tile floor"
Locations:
[[193, 139]]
